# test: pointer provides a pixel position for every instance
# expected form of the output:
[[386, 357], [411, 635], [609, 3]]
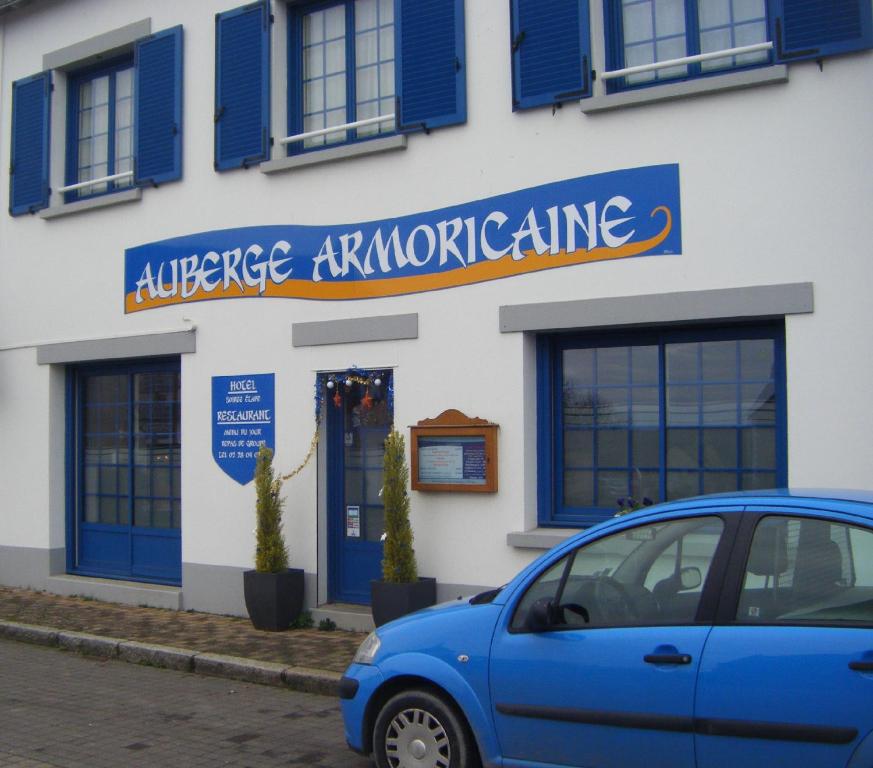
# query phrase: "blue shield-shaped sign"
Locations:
[[243, 419]]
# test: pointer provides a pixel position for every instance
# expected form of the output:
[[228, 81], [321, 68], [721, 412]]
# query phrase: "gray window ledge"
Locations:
[[117, 348], [98, 47], [354, 330], [114, 198], [754, 302], [360, 149], [670, 91], [539, 538]]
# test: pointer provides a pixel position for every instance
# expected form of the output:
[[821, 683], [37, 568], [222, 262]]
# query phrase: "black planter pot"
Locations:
[[273, 600], [391, 601]]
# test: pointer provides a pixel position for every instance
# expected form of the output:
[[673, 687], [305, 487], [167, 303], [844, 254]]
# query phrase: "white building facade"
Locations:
[[629, 233]]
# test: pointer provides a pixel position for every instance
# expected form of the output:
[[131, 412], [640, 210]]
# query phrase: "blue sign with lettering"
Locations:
[[616, 215], [243, 419]]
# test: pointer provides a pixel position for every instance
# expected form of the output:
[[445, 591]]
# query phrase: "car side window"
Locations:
[[650, 574], [803, 570]]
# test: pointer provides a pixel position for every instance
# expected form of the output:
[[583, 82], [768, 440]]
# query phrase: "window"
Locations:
[[551, 40], [100, 129], [127, 477], [657, 415], [649, 575], [124, 117], [342, 70], [803, 570], [348, 61]]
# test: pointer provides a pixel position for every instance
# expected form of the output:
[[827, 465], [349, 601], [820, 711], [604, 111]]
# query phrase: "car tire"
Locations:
[[419, 729]]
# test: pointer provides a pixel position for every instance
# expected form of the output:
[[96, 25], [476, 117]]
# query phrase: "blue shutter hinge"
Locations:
[[519, 39], [457, 64], [272, 19], [175, 129], [11, 169], [218, 113], [780, 50], [51, 87]]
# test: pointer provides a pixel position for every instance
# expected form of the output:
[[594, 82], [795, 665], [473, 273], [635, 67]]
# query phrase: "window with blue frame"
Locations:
[[124, 120], [100, 129], [399, 65], [660, 416], [125, 471], [341, 70], [551, 40]]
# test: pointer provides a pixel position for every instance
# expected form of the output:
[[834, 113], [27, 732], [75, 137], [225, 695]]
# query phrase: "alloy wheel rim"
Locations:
[[416, 739]]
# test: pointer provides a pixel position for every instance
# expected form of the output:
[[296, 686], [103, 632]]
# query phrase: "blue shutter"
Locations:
[[551, 52], [812, 29], [242, 86], [158, 109], [431, 85], [29, 167]]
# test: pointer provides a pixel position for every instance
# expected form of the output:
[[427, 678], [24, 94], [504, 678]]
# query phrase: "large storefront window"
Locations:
[[658, 416], [126, 471]]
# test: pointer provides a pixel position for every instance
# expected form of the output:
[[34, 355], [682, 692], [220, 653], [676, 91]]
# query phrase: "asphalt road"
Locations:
[[63, 710]]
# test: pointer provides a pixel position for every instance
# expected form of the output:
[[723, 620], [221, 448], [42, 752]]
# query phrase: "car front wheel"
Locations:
[[418, 729]]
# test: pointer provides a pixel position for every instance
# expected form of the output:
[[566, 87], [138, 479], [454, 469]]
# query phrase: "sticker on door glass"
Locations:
[[353, 522]]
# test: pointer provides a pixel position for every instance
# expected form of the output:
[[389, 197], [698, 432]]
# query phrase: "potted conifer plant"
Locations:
[[401, 590], [273, 591]]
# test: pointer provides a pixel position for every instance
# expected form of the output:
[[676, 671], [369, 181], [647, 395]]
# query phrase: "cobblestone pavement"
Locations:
[[63, 710], [202, 632]]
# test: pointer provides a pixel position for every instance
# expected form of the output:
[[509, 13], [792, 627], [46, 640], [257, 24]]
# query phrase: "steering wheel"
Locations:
[[612, 602]]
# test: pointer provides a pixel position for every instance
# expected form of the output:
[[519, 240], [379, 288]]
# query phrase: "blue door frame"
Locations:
[[123, 469], [356, 430]]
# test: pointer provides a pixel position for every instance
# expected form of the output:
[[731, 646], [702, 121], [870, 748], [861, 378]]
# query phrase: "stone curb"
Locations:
[[167, 657]]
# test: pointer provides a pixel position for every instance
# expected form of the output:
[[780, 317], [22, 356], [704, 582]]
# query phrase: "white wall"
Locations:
[[776, 184]]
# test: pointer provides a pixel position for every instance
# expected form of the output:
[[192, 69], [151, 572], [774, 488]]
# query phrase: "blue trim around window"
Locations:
[[296, 70], [552, 509], [105, 69], [615, 48], [119, 548]]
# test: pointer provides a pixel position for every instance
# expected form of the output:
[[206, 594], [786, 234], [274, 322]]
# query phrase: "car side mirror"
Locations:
[[690, 577], [541, 615]]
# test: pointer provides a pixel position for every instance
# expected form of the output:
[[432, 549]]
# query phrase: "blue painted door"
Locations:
[[788, 680], [610, 679], [126, 473], [359, 419]]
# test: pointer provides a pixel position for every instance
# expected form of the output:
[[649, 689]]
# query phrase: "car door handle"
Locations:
[[861, 666], [667, 658]]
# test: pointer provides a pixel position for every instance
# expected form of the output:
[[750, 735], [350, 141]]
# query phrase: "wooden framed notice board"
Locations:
[[454, 452]]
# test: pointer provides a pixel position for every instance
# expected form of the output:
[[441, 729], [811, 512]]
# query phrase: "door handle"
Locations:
[[667, 658], [861, 666]]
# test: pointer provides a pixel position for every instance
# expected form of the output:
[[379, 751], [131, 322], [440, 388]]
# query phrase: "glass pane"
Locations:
[[578, 488], [123, 114], [578, 367], [644, 363], [719, 360], [313, 62], [755, 481], [386, 43], [714, 12], [368, 84], [578, 448], [122, 146], [645, 485], [612, 448], [162, 514], [645, 448], [84, 155], [366, 48], [612, 486], [335, 57], [638, 21], [681, 485], [759, 404], [92, 479], [682, 405], [646, 406], [335, 22], [719, 404], [374, 487], [108, 510], [86, 98], [719, 448], [386, 84], [86, 120], [124, 83], [142, 512], [612, 406], [746, 10], [354, 487], [161, 482], [366, 14], [386, 11], [719, 482], [546, 586], [669, 17], [757, 359], [759, 448], [92, 509], [108, 482], [613, 365], [100, 90], [681, 360], [578, 407], [374, 524], [335, 87], [683, 448], [313, 28]]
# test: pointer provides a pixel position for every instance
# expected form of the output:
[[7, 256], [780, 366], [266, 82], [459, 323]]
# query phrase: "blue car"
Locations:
[[730, 630]]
